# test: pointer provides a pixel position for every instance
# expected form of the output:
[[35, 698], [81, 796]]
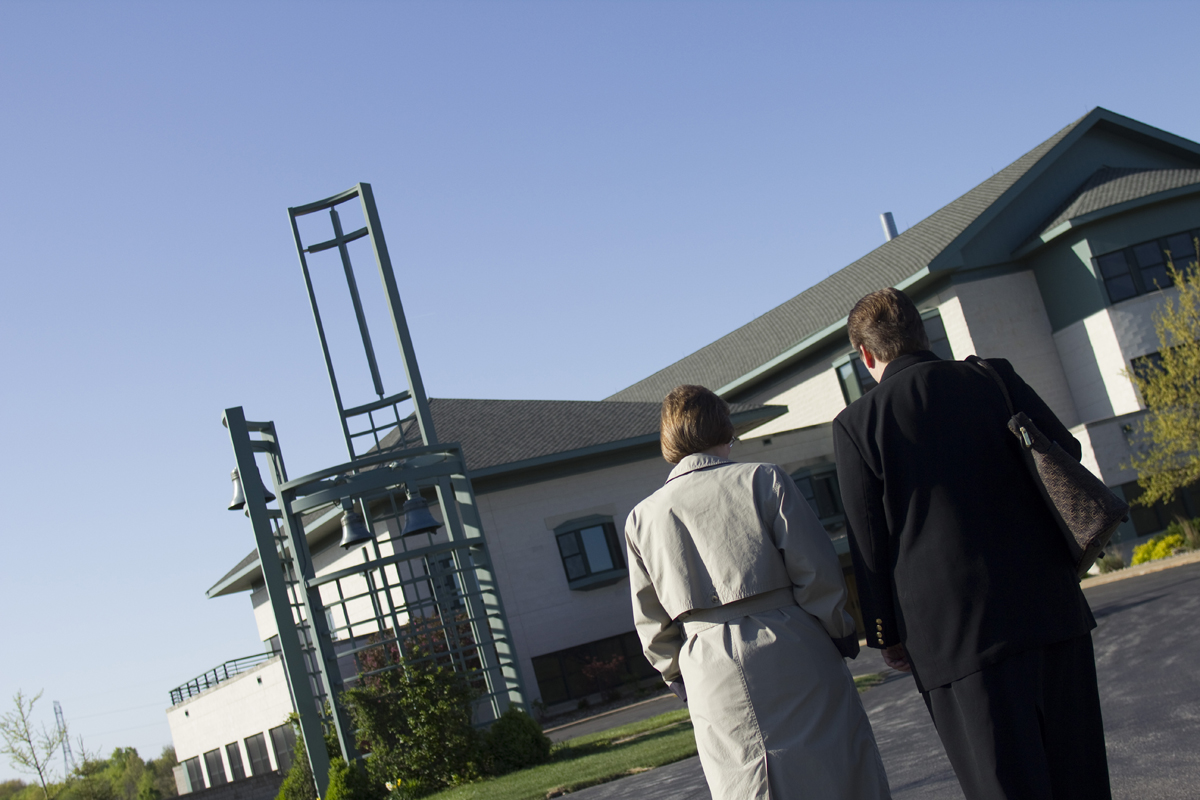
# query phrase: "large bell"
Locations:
[[417, 518], [239, 495], [354, 529]]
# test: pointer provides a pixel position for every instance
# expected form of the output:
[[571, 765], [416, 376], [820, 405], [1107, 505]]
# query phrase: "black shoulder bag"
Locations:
[[1086, 510]]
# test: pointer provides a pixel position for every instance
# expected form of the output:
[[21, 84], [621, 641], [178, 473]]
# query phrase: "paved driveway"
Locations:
[[1148, 658]]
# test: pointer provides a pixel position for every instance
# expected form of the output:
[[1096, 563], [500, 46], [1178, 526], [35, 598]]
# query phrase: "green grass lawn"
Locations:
[[864, 682], [593, 759], [602, 757]]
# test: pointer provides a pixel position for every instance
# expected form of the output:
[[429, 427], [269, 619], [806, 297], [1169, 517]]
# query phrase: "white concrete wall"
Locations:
[[250, 703], [1096, 353], [813, 396], [1006, 318], [544, 613]]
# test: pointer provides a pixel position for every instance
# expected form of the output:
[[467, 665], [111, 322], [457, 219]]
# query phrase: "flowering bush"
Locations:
[[1158, 547]]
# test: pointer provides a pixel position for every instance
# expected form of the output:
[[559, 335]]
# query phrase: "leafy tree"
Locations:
[[28, 749], [10, 789], [1170, 387], [158, 778]]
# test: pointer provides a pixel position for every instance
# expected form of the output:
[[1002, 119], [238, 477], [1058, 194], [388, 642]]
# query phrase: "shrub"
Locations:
[[416, 722], [515, 741], [1110, 562], [1158, 547], [348, 782], [1187, 529], [298, 783]]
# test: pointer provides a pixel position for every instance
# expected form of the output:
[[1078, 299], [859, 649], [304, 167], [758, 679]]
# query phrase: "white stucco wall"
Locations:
[[1006, 318], [250, 703], [1096, 352], [812, 397]]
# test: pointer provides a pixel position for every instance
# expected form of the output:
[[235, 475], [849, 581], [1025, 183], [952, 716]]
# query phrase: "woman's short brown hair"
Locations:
[[887, 324], [693, 420]]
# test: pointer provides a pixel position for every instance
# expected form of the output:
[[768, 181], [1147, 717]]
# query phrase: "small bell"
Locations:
[[354, 529], [417, 518], [239, 495]]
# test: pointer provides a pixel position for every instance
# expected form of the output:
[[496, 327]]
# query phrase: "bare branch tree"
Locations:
[[29, 750]]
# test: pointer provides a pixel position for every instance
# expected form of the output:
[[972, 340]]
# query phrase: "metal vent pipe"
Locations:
[[889, 225]]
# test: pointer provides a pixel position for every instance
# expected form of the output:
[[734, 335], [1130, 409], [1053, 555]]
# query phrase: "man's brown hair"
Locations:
[[887, 324], [693, 420]]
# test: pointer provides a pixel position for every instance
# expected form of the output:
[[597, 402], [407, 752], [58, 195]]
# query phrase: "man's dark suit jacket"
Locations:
[[955, 554]]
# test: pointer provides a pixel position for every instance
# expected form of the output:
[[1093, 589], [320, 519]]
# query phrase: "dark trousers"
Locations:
[[1027, 728]]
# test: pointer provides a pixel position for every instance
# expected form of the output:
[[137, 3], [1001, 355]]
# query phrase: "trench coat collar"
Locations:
[[696, 462], [901, 363]]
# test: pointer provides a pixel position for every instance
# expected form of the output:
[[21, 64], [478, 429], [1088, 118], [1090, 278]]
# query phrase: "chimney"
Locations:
[[889, 225]]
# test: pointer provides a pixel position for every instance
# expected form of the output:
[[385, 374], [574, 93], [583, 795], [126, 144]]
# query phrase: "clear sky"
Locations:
[[576, 194]]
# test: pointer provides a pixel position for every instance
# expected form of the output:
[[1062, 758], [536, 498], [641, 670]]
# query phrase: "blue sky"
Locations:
[[576, 194]]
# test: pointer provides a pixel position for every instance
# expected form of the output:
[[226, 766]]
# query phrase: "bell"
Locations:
[[417, 518], [354, 529], [239, 495]]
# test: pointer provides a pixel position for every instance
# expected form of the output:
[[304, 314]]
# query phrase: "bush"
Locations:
[[1110, 562], [349, 782], [416, 722], [298, 783], [1158, 547], [1188, 530], [515, 741]]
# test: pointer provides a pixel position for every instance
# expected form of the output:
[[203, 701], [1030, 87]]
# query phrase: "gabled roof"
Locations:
[[779, 337], [507, 436], [497, 434], [1111, 186]]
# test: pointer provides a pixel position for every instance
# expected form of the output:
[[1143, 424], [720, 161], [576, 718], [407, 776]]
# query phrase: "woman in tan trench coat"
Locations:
[[739, 602]]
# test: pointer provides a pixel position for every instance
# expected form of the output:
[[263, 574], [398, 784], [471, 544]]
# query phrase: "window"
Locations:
[[1142, 268], [215, 767], [194, 775], [590, 552], [444, 583], [256, 749], [234, 754], [857, 381], [1155, 519], [824, 496], [593, 667], [283, 739], [854, 378]]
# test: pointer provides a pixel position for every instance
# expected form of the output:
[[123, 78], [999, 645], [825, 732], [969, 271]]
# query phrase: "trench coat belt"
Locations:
[[692, 622]]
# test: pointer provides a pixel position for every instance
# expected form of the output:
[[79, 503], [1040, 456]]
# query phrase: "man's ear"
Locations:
[[867, 359]]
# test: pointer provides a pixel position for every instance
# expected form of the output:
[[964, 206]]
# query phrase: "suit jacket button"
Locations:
[[716, 599]]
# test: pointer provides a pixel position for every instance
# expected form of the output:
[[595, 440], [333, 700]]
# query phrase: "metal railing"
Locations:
[[218, 675]]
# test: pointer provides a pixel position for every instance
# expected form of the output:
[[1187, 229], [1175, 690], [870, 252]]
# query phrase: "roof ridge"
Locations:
[[806, 313]]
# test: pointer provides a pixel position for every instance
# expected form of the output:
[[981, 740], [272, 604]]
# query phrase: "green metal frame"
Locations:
[[322, 618]]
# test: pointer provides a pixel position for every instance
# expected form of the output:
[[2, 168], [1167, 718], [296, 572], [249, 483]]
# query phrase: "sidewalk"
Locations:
[[1145, 654]]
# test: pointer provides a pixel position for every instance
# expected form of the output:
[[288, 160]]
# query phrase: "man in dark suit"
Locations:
[[964, 579]]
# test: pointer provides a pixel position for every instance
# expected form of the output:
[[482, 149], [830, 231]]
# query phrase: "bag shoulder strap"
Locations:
[[994, 375]]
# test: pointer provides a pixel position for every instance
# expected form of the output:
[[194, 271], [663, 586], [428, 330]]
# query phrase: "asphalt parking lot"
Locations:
[[1147, 656]]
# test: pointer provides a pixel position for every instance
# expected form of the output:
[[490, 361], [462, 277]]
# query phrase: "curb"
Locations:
[[1142, 569], [608, 713]]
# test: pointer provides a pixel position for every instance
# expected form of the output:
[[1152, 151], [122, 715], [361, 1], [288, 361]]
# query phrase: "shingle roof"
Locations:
[[1112, 185], [494, 432], [762, 339]]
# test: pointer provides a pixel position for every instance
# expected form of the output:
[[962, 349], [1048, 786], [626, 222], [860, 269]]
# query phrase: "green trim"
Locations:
[[1103, 213], [809, 343], [589, 521], [229, 584], [740, 419], [951, 255], [599, 580]]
